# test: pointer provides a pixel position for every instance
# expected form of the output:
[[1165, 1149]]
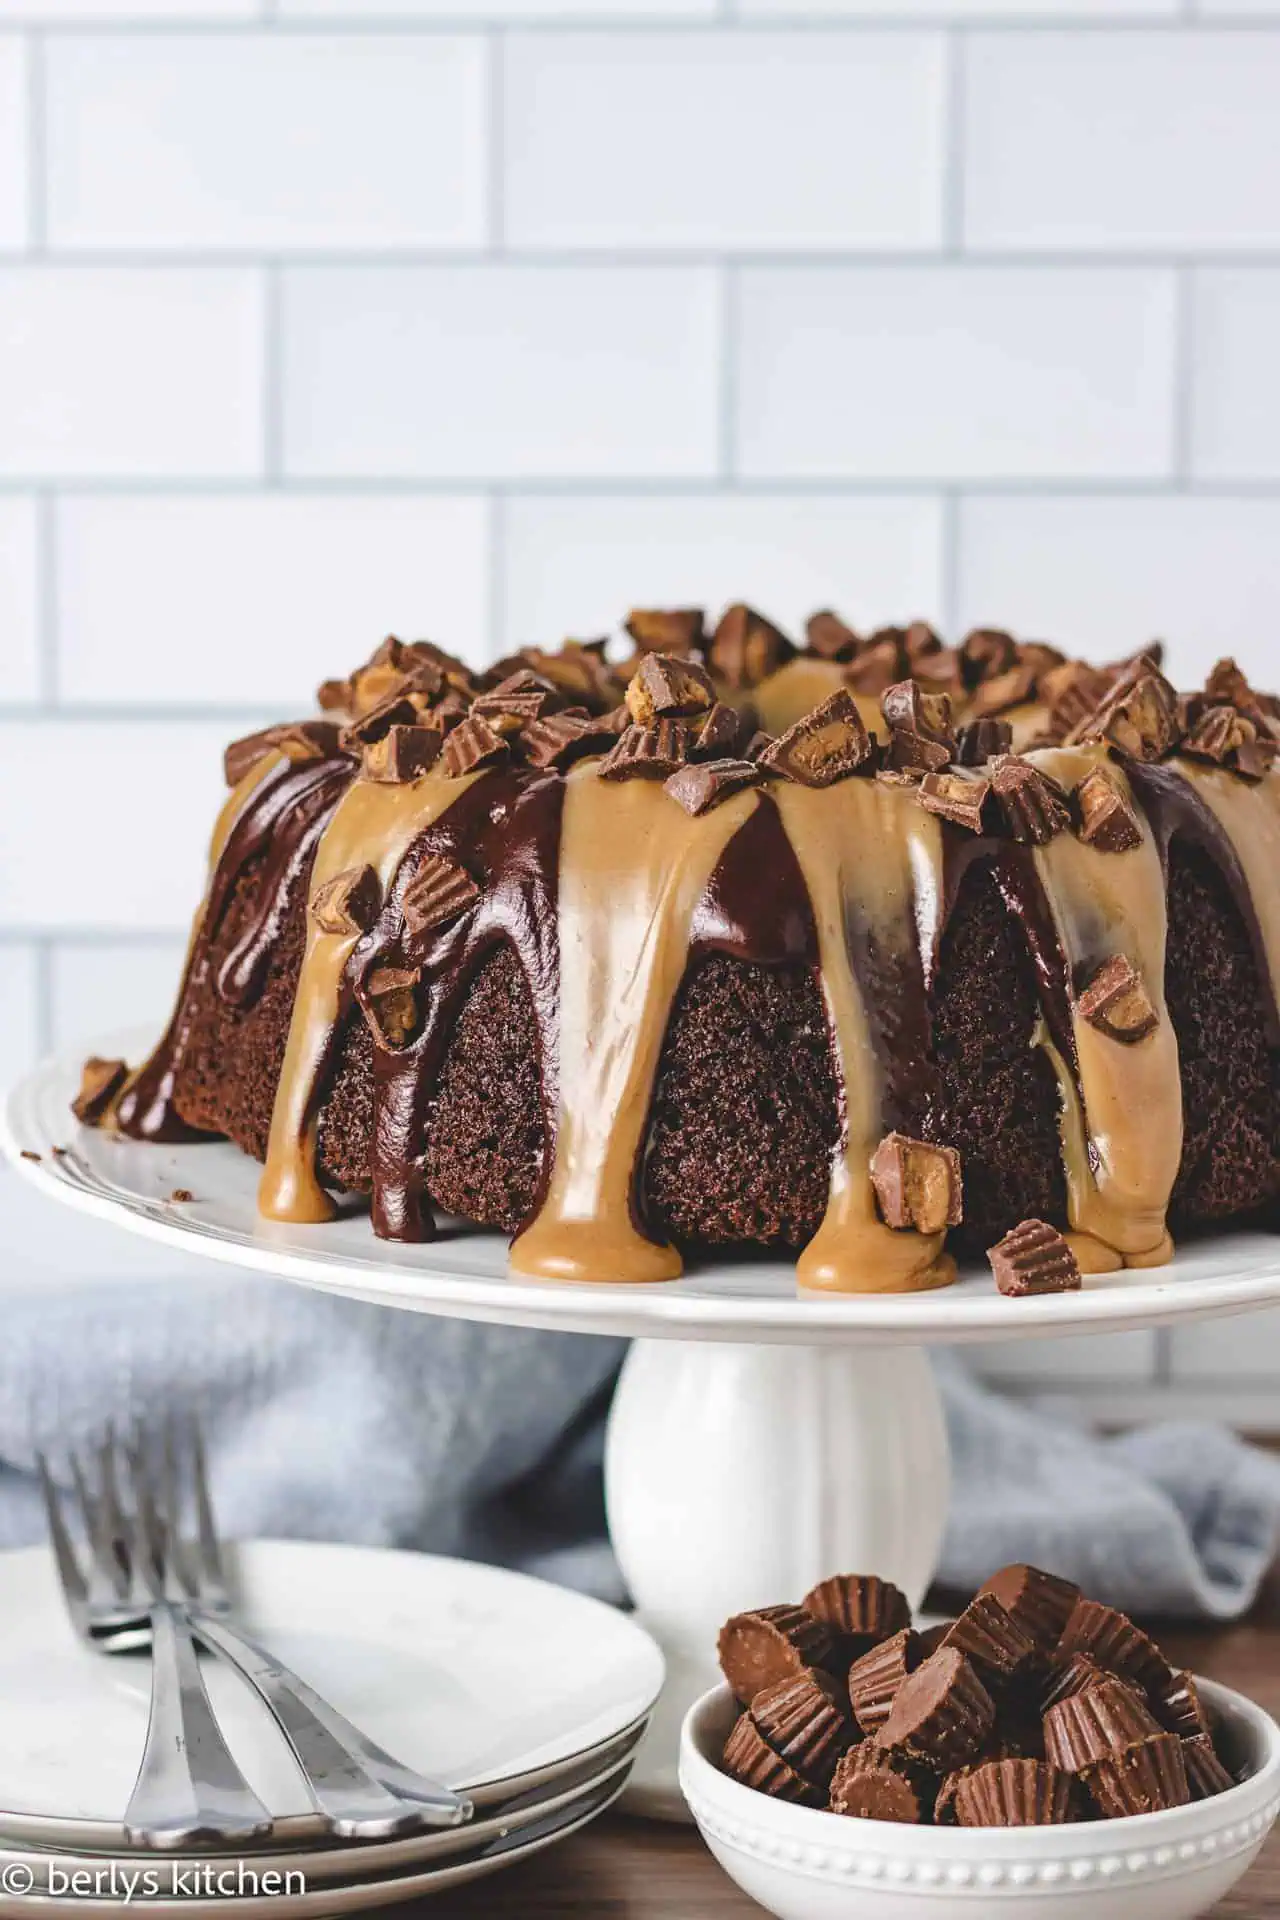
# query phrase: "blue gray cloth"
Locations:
[[330, 1419]]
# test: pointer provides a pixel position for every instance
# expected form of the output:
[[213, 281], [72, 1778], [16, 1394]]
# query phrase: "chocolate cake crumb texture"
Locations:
[[959, 767]]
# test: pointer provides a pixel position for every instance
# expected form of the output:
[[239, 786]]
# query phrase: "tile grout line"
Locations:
[[949, 565], [496, 146], [44, 992], [1189, 25], [497, 612], [37, 146], [272, 377], [47, 598], [536, 486], [1132, 261], [952, 209], [729, 319], [1184, 342]]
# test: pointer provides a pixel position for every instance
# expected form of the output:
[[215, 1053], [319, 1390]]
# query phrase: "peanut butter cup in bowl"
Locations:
[[1036, 1757]]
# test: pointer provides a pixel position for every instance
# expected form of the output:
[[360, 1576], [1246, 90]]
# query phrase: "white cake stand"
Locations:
[[760, 1438]]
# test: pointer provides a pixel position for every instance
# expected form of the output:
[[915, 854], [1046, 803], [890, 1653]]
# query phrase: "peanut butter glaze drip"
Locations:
[[633, 867], [873, 870], [374, 825], [1121, 1105]]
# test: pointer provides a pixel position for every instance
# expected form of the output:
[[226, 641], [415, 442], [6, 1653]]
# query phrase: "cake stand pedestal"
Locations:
[[760, 1439], [741, 1475]]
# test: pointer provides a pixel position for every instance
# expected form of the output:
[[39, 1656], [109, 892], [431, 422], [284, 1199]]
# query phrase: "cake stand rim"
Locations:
[[678, 1310]]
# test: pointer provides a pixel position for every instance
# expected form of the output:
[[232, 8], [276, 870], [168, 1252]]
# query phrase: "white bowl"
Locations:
[[803, 1864]]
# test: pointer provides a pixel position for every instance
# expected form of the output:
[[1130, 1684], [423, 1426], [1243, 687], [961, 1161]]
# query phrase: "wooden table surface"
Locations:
[[623, 1869]]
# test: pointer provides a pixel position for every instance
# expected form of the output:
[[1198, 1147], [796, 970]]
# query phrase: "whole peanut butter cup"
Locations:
[[1206, 1774], [750, 1759], [1040, 1602], [860, 1610], [942, 1713], [1146, 1777], [773, 1643], [874, 1680], [1065, 1674], [1086, 1727], [1110, 1638], [874, 1782], [992, 1639], [1180, 1709], [806, 1721], [1013, 1793]]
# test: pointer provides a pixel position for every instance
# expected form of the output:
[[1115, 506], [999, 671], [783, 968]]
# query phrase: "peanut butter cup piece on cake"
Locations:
[[439, 892], [1117, 1003], [1206, 1774], [999, 1647], [941, 1713], [758, 1649], [402, 754], [666, 629], [1040, 1602], [648, 753], [917, 1184], [349, 903], [1101, 1719], [824, 746], [665, 688], [705, 783], [876, 1676], [749, 1758], [883, 1783], [1013, 1793], [1107, 821], [830, 636], [1034, 1258], [978, 741], [100, 1082], [1034, 806], [475, 742], [1110, 1637], [297, 740], [1146, 1777], [746, 648], [558, 739], [962, 798], [806, 1720], [722, 735], [860, 1609]]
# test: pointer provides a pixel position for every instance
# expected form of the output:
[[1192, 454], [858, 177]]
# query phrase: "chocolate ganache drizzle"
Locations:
[[609, 845]]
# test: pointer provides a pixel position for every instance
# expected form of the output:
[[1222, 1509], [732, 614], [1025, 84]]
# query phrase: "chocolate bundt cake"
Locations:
[[867, 950]]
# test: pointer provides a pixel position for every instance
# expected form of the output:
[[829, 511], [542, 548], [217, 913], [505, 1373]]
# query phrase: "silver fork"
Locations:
[[189, 1789], [361, 1791]]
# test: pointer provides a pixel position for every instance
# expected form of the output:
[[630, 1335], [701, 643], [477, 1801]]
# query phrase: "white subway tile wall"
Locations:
[[487, 318]]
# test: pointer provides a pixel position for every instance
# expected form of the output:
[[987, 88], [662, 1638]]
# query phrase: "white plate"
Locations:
[[320, 1903], [486, 1679], [464, 1272]]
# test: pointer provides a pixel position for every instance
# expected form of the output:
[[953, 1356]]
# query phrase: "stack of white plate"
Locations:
[[530, 1698]]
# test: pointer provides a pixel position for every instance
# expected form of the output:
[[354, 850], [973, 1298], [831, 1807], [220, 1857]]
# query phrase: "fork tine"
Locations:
[[74, 1589], [139, 1527], [170, 1513], [207, 1532], [106, 1582]]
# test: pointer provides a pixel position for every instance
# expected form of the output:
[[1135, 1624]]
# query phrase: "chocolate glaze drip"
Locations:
[[505, 831], [283, 818], [755, 906], [1175, 810]]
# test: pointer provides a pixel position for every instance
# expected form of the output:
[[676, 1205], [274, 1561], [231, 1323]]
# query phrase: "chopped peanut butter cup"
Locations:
[[389, 1002], [1034, 1258], [874, 1678], [1206, 1774], [1110, 1638], [401, 754], [826, 745], [439, 891], [1040, 1602], [806, 1721], [648, 753], [1180, 1709], [1143, 1778], [100, 1082], [1117, 1003], [745, 647], [758, 1649], [473, 743], [1100, 1720], [1035, 807], [665, 688], [349, 903], [704, 784], [829, 636], [1107, 821], [917, 1184], [748, 1757], [941, 1713], [960, 797], [666, 629], [1013, 1793], [981, 740], [883, 1783]]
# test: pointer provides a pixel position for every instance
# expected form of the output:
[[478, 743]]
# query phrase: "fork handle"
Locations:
[[189, 1790], [362, 1792]]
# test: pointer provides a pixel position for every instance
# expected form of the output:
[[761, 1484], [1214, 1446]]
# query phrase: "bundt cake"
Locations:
[[866, 950]]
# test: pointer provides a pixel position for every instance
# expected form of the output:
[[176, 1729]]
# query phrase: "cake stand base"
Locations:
[[739, 1476]]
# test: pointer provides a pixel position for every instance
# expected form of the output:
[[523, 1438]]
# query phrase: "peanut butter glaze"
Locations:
[[608, 891]]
